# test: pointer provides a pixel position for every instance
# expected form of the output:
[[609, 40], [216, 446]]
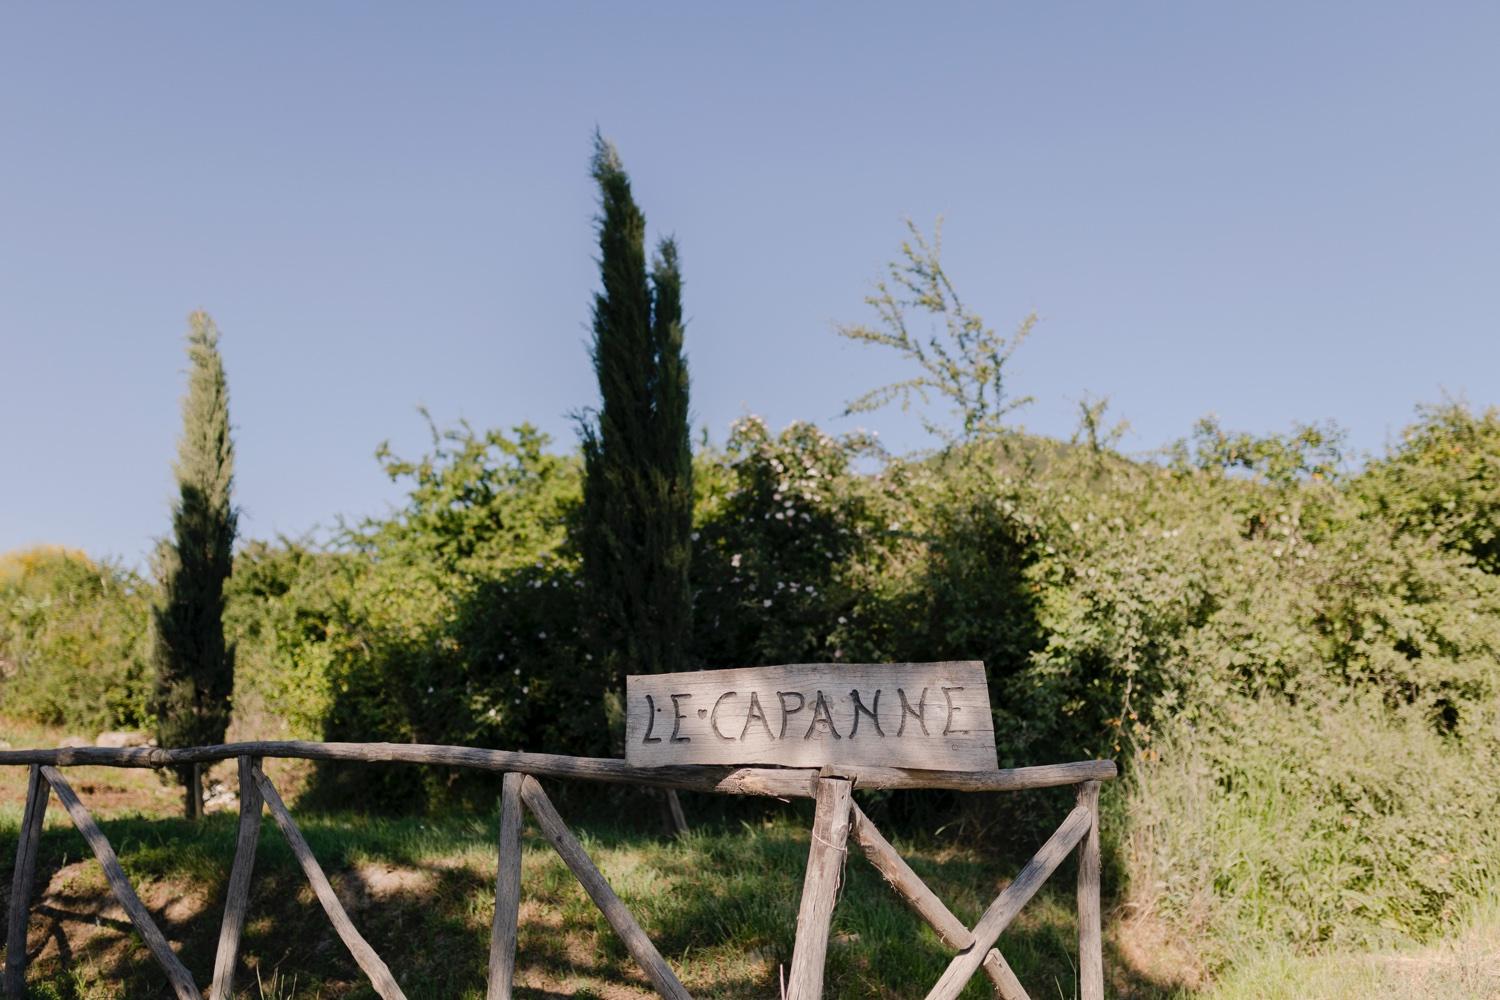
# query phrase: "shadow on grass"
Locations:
[[720, 904]]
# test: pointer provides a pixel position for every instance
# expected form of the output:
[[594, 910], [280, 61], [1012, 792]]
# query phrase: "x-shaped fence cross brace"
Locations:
[[836, 813]]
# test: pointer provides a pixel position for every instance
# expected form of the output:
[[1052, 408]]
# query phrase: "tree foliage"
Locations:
[[959, 358], [637, 509], [74, 645], [1443, 482], [194, 663]]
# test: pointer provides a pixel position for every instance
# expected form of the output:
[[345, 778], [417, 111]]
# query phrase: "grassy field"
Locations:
[[720, 904]]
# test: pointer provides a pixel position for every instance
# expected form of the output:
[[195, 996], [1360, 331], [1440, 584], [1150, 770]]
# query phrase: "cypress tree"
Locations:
[[636, 530], [194, 664]]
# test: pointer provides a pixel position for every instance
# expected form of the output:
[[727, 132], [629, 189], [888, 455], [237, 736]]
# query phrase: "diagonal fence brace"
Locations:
[[576, 858], [177, 973], [372, 964], [925, 903], [1006, 905]]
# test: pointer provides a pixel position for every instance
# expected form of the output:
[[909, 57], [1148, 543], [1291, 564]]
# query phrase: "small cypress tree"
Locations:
[[194, 664], [636, 530]]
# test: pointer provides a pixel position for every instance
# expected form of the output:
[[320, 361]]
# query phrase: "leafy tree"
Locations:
[[1311, 451], [194, 664], [636, 523], [1443, 481], [74, 649], [960, 358]]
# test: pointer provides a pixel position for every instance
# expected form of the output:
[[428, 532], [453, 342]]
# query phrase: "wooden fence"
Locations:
[[836, 818]]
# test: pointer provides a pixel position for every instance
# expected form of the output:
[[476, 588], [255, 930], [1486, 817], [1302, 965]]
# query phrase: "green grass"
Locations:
[[1464, 967], [720, 904]]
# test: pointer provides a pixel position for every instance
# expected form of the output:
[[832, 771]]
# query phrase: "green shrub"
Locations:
[[74, 645], [1443, 481]]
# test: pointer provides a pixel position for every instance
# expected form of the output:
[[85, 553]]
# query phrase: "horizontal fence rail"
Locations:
[[776, 782], [837, 820]]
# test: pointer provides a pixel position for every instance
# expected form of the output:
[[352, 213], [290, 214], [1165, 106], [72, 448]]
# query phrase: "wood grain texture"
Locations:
[[727, 780], [237, 899], [1090, 940], [507, 892], [910, 887], [373, 966], [934, 716], [820, 886], [1005, 907], [22, 882], [1003, 977], [571, 851], [177, 973]]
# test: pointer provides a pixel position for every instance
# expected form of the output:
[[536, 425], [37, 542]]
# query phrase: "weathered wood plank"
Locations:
[[1003, 977], [908, 884], [507, 892], [934, 716], [910, 887], [576, 858], [820, 886], [1090, 940], [237, 899], [22, 882], [374, 967], [177, 973], [1005, 907], [775, 782]]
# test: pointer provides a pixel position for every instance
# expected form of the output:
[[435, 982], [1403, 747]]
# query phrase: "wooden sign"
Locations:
[[933, 716]]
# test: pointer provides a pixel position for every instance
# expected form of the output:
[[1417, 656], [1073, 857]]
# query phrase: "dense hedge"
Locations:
[[1299, 667], [74, 641]]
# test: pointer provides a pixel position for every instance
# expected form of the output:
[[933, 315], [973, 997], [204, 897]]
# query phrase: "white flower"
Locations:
[[541, 635], [518, 671], [735, 561], [766, 603], [526, 689]]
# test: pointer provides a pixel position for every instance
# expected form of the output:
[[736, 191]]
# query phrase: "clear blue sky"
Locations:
[[1274, 213]]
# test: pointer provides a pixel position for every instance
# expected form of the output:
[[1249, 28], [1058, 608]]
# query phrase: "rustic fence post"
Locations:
[[507, 891], [238, 897], [820, 886], [1090, 939], [37, 793]]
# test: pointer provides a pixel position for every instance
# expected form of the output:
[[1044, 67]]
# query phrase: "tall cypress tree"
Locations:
[[636, 531], [194, 664]]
